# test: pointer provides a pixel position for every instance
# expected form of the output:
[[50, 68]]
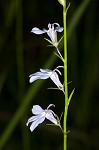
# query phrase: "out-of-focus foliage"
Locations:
[[22, 53]]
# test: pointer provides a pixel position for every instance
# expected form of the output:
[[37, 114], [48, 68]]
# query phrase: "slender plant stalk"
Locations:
[[65, 75]]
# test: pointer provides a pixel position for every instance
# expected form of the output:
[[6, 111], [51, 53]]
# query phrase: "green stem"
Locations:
[[20, 67], [65, 76]]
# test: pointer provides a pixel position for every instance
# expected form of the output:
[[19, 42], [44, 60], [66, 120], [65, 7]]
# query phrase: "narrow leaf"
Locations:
[[71, 96]]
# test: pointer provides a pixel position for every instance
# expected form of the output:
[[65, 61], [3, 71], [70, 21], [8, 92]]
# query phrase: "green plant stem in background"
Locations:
[[65, 75], [20, 68]]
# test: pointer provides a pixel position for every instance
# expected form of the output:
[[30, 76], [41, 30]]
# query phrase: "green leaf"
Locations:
[[71, 96]]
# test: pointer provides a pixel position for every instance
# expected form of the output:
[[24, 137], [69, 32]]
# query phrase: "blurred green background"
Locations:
[[23, 53]]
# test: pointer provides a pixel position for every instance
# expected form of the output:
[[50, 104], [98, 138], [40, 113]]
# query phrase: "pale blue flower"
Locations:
[[40, 115], [51, 32], [47, 73]]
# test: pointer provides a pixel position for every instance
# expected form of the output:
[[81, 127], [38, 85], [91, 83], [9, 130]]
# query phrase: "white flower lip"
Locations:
[[40, 115], [51, 32], [47, 73]]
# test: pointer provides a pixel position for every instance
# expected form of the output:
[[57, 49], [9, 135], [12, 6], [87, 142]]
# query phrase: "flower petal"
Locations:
[[50, 117], [37, 110], [54, 77], [33, 78], [52, 34], [45, 70], [41, 72], [36, 123], [37, 31], [31, 119], [38, 75], [55, 24], [59, 29], [50, 106]]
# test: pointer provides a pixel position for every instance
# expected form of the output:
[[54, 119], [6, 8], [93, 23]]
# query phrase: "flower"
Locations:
[[40, 115], [47, 73], [51, 32]]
